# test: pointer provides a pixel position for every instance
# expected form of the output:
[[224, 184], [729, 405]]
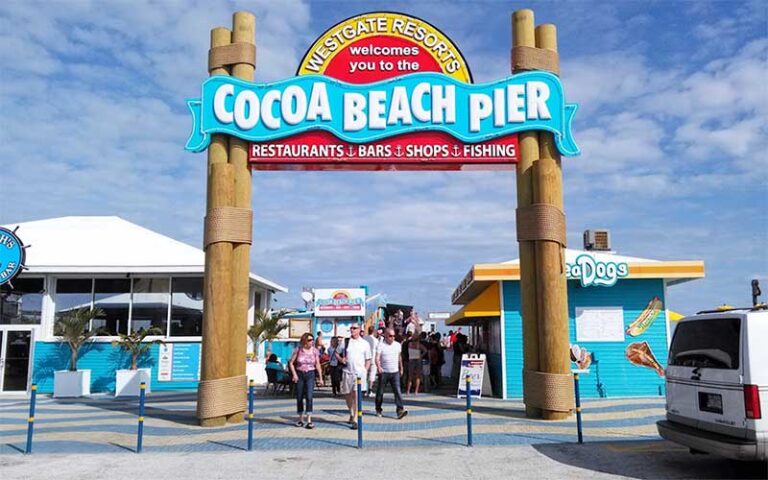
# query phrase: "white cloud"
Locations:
[[94, 122]]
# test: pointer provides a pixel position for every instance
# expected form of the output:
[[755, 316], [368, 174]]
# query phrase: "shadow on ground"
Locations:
[[649, 459]]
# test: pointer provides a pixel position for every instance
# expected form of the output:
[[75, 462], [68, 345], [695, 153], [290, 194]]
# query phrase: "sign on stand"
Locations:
[[474, 365]]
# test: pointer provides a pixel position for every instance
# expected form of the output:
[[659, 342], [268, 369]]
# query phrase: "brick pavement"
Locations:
[[102, 424]]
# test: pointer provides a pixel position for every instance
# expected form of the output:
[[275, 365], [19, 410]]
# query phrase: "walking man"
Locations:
[[389, 364], [356, 360]]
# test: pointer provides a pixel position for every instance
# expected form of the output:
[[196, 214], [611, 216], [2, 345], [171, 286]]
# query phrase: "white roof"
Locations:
[[109, 245], [571, 254]]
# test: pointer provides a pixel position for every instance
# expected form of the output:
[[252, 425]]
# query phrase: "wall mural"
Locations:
[[640, 353]]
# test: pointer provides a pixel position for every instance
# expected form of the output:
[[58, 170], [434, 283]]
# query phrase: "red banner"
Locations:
[[370, 48]]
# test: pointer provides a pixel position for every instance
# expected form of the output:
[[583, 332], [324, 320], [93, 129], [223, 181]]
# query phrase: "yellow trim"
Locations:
[[34, 387], [674, 316], [469, 411], [141, 419], [492, 272], [250, 416], [487, 304], [360, 413], [143, 386], [31, 419], [461, 74]]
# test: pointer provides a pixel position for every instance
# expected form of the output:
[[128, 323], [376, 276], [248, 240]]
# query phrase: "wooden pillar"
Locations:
[[218, 261], [243, 31], [551, 282], [523, 35]]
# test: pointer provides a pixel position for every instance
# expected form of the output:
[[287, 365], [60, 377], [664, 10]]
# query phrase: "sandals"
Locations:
[[310, 426], [299, 424]]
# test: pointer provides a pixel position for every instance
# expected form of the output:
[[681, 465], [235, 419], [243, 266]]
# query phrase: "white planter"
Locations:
[[127, 382], [71, 384], [257, 372]]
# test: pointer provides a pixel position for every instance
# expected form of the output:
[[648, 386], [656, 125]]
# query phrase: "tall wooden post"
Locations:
[[551, 286], [547, 384], [523, 35], [218, 266], [243, 31]]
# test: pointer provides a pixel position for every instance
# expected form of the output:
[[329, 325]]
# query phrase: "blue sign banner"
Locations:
[[186, 362], [263, 112], [12, 255]]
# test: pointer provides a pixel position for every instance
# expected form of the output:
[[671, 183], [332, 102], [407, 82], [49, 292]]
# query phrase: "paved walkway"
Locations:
[[102, 424]]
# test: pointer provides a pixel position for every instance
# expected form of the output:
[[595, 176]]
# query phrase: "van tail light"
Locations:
[[752, 402]]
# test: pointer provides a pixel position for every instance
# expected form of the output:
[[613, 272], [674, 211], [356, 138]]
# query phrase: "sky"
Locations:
[[672, 126]]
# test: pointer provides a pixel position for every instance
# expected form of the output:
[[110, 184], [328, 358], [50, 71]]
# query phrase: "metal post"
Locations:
[[359, 412], [578, 406], [469, 411], [31, 418], [250, 415], [142, 395]]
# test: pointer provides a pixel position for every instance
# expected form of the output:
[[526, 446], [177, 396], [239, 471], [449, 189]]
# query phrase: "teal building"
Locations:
[[619, 323]]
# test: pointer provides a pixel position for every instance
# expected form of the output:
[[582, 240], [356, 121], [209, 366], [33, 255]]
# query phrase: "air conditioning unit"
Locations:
[[597, 240]]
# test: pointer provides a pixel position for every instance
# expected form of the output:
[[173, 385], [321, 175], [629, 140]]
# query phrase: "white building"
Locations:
[[138, 277]]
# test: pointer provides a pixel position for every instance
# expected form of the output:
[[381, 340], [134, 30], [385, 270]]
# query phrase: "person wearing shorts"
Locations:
[[357, 361], [415, 353]]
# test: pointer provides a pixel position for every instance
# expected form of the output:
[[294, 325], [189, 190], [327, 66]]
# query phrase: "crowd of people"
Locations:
[[393, 355]]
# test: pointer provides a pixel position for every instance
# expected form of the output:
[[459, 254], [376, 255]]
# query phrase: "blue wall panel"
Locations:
[[102, 359], [282, 349], [618, 377]]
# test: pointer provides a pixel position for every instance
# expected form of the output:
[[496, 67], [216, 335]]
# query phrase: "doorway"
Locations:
[[15, 349]]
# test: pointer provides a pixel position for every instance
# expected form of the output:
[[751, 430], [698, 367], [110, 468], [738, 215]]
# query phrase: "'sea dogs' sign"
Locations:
[[382, 90], [590, 271], [12, 255]]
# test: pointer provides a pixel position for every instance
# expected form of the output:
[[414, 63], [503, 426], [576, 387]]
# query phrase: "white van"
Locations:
[[717, 384]]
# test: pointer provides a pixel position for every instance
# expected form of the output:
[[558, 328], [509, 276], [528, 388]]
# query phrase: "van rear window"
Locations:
[[712, 343]]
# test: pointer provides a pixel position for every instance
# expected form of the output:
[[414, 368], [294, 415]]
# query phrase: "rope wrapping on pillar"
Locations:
[[548, 391], [221, 397], [226, 55], [228, 224], [531, 58], [540, 221]]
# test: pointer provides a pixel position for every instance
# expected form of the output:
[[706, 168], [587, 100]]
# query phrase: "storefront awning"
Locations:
[[487, 304]]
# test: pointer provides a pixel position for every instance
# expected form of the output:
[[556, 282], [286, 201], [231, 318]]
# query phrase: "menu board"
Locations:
[[298, 327], [186, 362], [179, 362], [599, 324], [165, 363]]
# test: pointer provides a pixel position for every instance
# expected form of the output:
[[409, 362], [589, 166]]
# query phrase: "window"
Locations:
[[113, 297], [257, 301], [712, 343], [21, 304], [150, 304], [71, 294], [187, 307]]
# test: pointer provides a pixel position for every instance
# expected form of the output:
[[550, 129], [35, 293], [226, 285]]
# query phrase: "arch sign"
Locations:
[[382, 91]]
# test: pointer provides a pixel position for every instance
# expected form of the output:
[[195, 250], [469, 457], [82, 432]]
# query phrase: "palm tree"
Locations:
[[266, 327], [74, 330], [134, 344]]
